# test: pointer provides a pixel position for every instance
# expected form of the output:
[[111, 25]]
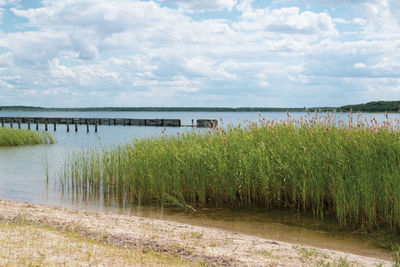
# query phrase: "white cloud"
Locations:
[[245, 5], [127, 52], [8, 2], [60, 71], [334, 59], [32, 48], [360, 65], [105, 17], [201, 5], [287, 20], [3, 10], [357, 21], [5, 84], [382, 17], [84, 43]]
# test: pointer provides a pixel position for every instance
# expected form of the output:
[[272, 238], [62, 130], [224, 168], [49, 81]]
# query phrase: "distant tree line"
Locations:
[[376, 106], [157, 109]]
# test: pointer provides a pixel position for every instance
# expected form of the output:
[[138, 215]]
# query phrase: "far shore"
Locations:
[[168, 243], [370, 107]]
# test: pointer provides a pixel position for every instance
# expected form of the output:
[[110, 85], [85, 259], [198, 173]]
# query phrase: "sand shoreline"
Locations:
[[192, 243]]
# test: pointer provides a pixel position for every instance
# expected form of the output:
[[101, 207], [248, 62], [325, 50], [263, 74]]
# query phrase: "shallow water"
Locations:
[[275, 225], [280, 225], [23, 178]]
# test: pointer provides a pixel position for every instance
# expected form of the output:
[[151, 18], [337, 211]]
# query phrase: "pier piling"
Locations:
[[101, 121]]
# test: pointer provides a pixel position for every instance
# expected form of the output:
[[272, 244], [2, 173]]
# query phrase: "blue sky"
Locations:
[[231, 53]]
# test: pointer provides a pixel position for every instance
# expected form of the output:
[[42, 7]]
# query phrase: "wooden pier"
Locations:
[[100, 121]]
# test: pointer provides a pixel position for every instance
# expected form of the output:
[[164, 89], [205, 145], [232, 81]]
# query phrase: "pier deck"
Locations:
[[101, 121]]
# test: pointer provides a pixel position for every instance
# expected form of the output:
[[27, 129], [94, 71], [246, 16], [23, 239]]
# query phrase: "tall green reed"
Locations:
[[314, 164], [18, 137]]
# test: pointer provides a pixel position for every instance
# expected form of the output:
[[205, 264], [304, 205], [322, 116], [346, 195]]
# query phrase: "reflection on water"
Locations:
[[22, 178], [280, 225]]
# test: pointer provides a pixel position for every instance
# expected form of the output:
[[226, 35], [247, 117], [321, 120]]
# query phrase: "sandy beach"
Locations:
[[186, 243]]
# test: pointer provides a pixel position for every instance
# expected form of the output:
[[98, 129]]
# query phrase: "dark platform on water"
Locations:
[[103, 121]]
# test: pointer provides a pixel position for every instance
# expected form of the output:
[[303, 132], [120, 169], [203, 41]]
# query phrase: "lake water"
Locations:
[[23, 178]]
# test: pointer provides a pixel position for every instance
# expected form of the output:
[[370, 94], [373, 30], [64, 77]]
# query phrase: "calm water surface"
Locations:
[[23, 178]]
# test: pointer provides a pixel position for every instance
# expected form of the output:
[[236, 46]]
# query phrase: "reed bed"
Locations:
[[316, 164], [19, 137]]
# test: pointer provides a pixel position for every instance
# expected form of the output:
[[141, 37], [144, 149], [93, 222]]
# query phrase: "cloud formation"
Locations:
[[288, 20], [202, 6], [199, 53]]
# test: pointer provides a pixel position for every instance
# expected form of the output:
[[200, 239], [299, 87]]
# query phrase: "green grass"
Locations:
[[310, 165], [19, 137]]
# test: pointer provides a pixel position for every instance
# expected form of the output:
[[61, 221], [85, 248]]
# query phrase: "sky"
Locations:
[[215, 53]]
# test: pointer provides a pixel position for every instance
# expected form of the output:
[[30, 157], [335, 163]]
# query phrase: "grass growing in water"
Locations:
[[314, 164], [18, 137]]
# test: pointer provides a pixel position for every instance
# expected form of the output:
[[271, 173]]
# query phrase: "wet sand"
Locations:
[[191, 243]]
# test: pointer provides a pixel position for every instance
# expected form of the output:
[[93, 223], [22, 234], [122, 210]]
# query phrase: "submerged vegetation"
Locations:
[[18, 137], [316, 164]]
